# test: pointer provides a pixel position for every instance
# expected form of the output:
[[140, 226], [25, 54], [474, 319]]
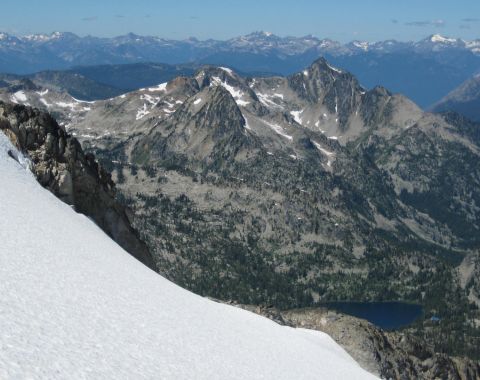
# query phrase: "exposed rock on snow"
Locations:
[[61, 166]]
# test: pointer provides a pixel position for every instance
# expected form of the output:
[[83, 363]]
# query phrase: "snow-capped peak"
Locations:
[[361, 45], [262, 33], [258, 35], [43, 37], [437, 38]]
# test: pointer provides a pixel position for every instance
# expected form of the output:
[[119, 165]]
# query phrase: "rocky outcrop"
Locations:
[[61, 166], [390, 355]]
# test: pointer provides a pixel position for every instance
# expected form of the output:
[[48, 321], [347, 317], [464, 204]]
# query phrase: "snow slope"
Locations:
[[74, 305]]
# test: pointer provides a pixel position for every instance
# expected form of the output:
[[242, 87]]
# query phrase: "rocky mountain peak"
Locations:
[[182, 85], [222, 106], [324, 85], [209, 124], [437, 43], [359, 45], [216, 111], [211, 76], [318, 78], [438, 38], [322, 65], [261, 35], [205, 74]]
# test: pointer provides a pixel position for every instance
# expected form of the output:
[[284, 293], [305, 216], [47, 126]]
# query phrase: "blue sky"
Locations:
[[343, 20]]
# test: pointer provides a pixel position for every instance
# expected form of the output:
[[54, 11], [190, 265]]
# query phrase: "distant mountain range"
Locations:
[[424, 71]]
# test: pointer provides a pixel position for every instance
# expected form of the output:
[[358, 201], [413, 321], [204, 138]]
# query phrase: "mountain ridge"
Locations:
[[267, 39], [401, 66], [317, 200]]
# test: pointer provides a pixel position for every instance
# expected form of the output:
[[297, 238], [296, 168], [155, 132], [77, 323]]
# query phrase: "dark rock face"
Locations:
[[375, 106], [341, 93], [61, 166], [215, 132]]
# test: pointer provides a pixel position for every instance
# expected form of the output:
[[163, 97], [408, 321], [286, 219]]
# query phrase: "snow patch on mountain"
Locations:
[[153, 100], [296, 116], [363, 45], [19, 97], [278, 129], [440, 39], [66, 105], [247, 126], [237, 94], [44, 102], [226, 69], [142, 112], [160, 87], [326, 152], [83, 101], [42, 93], [334, 68], [267, 101]]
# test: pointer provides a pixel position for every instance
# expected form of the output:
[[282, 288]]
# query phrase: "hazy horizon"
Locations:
[[344, 21]]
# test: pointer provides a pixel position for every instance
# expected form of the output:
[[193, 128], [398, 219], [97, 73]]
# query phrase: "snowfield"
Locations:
[[74, 305]]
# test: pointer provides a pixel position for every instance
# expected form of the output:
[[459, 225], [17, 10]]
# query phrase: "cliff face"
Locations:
[[60, 165]]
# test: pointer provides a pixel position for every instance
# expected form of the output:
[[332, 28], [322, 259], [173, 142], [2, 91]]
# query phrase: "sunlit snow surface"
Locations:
[[74, 305], [19, 97]]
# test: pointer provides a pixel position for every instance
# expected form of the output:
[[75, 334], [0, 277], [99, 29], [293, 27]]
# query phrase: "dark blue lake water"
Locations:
[[387, 315]]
